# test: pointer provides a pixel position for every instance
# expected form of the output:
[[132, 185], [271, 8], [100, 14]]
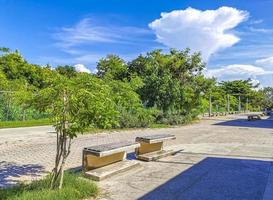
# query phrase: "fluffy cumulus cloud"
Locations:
[[239, 71], [205, 31], [82, 68]]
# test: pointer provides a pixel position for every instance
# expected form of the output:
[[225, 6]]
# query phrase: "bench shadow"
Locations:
[[264, 123], [216, 179], [10, 173]]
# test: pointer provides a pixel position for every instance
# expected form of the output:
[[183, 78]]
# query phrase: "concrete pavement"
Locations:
[[207, 150]]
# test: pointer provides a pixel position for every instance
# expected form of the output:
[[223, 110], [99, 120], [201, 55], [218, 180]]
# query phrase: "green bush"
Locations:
[[137, 118], [174, 119], [74, 188]]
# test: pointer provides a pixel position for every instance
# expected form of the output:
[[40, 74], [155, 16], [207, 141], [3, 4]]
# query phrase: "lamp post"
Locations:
[[210, 106], [228, 104]]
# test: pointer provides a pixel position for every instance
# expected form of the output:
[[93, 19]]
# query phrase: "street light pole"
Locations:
[[239, 105], [210, 106], [228, 104], [247, 104]]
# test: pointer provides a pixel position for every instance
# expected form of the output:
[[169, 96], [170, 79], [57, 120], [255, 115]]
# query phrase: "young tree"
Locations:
[[75, 104]]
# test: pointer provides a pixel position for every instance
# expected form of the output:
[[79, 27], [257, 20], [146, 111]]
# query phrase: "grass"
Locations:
[[75, 188], [44, 122], [28, 123], [98, 130], [160, 126]]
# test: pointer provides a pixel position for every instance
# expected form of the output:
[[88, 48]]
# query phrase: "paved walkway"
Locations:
[[208, 149]]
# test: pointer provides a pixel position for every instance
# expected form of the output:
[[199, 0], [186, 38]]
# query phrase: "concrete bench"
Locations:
[[254, 117], [151, 147], [103, 161]]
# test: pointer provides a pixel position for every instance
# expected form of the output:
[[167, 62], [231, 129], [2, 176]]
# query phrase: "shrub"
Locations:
[[174, 119], [137, 118]]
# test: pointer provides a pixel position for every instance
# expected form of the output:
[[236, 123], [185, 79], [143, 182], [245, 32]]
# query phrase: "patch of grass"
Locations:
[[28, 123], [160, 126], [75, 188]]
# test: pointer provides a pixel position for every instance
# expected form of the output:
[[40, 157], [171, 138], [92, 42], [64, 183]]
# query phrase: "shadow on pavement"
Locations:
[[216, 179], [10, 172], [131, 156], [264, 123]]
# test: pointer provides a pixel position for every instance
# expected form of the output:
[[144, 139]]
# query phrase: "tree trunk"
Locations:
[[63, 148]]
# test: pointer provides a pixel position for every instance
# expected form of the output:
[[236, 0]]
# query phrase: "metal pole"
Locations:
[[210, 106], [228, 104], [239, 105], [247, 104]]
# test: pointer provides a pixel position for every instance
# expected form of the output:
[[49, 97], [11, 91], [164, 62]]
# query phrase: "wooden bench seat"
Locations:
[[151, 147], [103, 155]]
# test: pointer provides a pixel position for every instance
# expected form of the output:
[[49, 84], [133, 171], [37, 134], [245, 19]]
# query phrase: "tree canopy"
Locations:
[[155, 87]]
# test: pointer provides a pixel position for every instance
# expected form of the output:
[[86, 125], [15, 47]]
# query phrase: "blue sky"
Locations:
[[235, 37]]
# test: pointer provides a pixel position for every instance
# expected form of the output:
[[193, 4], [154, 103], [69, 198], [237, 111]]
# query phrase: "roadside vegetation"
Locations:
[[75, 187], [153, 90]]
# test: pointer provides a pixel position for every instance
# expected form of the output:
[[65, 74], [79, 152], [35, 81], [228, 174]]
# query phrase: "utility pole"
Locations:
[[228, 104], [210, 106], [247, 104], [239, 105]]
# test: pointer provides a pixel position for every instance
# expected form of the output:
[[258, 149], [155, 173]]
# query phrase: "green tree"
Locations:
[[170, 80], [268, 97], [245, 92], [66, 70], [112, 67], [75, 104], [14, 66]]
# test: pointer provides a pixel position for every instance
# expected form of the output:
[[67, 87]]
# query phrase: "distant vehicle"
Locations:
[[267, 112]]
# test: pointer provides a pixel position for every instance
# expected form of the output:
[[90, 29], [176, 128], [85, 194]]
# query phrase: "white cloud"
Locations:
[[82, 68], [84, 58], [255, 82], [206, 31], [242, 72], [258, 21], [236, 70], [87, 32], [260, 30], [266, 63]]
